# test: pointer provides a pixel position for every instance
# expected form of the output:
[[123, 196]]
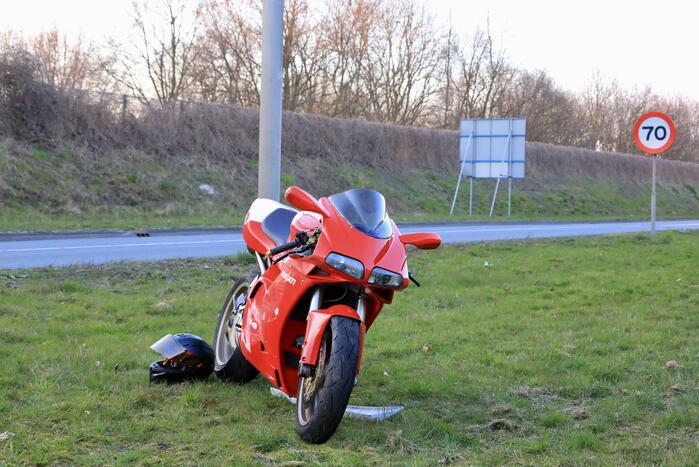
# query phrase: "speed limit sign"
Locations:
[[654, 133]]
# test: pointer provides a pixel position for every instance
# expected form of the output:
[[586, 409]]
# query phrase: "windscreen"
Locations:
[[365, 209]]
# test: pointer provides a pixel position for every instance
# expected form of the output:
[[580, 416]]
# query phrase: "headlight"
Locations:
[[386, 278], [349, 266]]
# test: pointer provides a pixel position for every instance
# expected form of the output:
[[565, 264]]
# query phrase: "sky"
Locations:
[[95, 19], [638, 43]]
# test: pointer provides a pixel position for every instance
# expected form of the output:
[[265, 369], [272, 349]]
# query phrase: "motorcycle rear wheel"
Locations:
[[229, 362], [323, 397]]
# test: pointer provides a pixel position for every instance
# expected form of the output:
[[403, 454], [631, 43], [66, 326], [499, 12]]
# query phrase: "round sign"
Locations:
[[654, 133]]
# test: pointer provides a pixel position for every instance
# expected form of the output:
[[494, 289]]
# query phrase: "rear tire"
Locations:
[[322, 398], [229, 362]]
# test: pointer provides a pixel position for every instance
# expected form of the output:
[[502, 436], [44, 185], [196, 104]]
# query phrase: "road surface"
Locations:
[[21, 251]]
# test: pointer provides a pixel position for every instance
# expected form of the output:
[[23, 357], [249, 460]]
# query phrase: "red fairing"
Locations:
[[278, 312], [317, 321], [340, 237], [255, 238]]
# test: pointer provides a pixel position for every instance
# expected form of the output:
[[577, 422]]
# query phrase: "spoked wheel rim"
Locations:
[[230, 324], [310, 386]]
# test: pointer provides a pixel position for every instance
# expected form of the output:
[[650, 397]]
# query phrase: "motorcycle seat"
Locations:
[[277, 225], [267, 225]]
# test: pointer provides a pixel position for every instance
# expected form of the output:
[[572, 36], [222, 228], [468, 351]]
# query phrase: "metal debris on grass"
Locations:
[[360, 412]]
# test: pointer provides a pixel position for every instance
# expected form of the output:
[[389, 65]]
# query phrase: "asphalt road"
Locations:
[[21, 251]]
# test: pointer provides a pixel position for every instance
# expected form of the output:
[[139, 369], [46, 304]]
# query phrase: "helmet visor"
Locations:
[[168, 347]]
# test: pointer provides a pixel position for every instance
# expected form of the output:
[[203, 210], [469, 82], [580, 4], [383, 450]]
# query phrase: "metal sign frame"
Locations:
[[491, 148]]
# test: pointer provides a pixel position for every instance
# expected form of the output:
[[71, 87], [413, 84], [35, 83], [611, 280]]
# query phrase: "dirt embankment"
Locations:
[[65, 151]]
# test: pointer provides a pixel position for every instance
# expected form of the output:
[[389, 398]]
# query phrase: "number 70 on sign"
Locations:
[[654, 133]]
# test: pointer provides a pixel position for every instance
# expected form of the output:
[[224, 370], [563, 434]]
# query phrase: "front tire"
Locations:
[[229, 362], [322, 398]]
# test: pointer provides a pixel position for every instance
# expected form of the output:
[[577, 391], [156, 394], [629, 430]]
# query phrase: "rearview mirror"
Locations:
[[422, 240], [304, 201]]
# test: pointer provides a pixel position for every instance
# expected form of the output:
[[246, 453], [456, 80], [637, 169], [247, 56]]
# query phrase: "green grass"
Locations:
[[551, 325]]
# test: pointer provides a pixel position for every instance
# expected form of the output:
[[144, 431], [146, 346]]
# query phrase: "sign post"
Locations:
[[506, 154], [461, 174], [654, 133], [652, 197]]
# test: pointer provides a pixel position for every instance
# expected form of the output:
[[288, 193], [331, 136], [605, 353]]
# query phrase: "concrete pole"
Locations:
[[652, 200], [269, 168]]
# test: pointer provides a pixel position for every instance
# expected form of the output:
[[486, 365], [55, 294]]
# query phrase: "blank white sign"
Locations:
[[493, 148]]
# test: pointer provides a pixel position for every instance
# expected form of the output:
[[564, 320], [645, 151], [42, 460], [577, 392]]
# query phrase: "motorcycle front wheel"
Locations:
[[323, 397]]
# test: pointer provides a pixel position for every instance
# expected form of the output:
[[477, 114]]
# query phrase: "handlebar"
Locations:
[[283, 247]]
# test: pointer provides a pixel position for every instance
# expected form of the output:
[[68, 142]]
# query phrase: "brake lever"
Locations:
[[304, 240], [295, 251]]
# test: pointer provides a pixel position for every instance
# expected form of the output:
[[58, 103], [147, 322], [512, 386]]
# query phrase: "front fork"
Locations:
[[317, 321]]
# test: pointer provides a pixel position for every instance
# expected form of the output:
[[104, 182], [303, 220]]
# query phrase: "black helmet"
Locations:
[[188, 357]]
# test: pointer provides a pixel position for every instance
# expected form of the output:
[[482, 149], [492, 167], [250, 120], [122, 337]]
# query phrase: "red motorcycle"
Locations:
[[324, 274]]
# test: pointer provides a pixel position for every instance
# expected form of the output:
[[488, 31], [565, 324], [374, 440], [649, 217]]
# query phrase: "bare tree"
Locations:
[[550, 111], [450, 51], [384, 60], [77, 63], [345, 32], [685, 114], [595, 112], [61, 61], [608, 113], [228, 61], [160, 56], [484, 73], [11, 40], [401, 73], [304, 58]]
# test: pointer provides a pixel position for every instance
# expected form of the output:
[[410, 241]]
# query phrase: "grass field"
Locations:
[[553, 355]]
